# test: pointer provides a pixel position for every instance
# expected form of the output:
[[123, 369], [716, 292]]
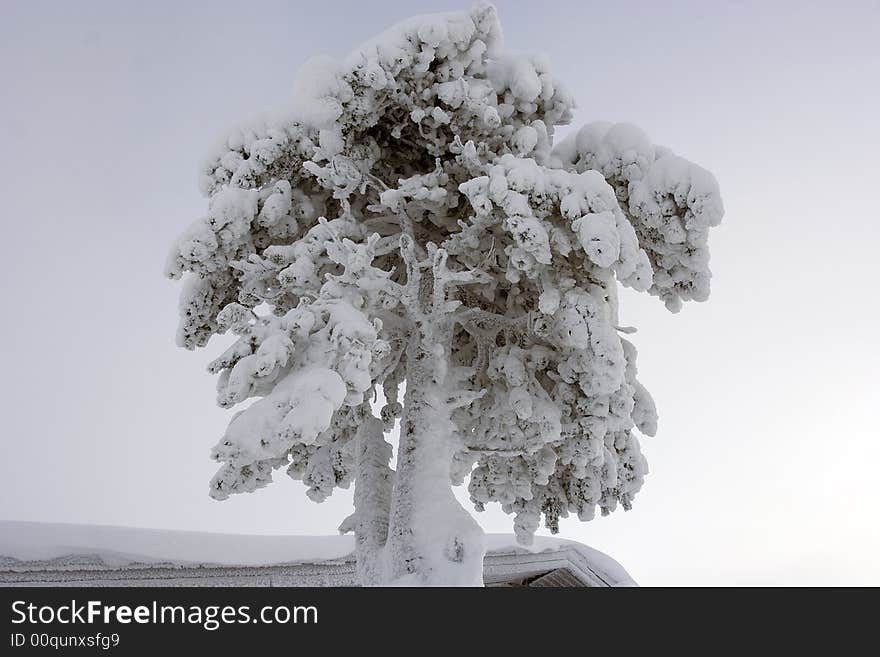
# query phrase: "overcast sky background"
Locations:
[[765, 467]]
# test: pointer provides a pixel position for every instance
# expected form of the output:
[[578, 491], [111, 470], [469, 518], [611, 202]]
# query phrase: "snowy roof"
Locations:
[[47, 553]]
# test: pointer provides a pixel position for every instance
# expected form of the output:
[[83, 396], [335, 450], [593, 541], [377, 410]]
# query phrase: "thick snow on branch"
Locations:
[[412, 193], [670, 202]]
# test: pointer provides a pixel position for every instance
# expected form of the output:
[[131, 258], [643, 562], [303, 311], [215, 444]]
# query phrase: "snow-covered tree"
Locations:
[[408, 226]]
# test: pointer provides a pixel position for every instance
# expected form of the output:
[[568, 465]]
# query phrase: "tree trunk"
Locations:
[[432, 539], [372, 501]]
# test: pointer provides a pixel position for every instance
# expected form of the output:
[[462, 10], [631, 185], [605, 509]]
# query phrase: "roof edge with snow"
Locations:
[[97, 555]]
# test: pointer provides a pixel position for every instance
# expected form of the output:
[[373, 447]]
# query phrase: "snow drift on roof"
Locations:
[[118, 546]]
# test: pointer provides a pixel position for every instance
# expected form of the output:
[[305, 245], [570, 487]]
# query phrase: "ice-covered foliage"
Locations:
[[408, 220], [670, 202]]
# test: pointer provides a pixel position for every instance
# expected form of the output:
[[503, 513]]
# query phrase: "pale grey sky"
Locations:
[[763, 468]]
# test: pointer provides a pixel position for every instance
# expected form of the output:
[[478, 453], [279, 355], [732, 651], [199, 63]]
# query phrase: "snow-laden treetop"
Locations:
[[409, 219]]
